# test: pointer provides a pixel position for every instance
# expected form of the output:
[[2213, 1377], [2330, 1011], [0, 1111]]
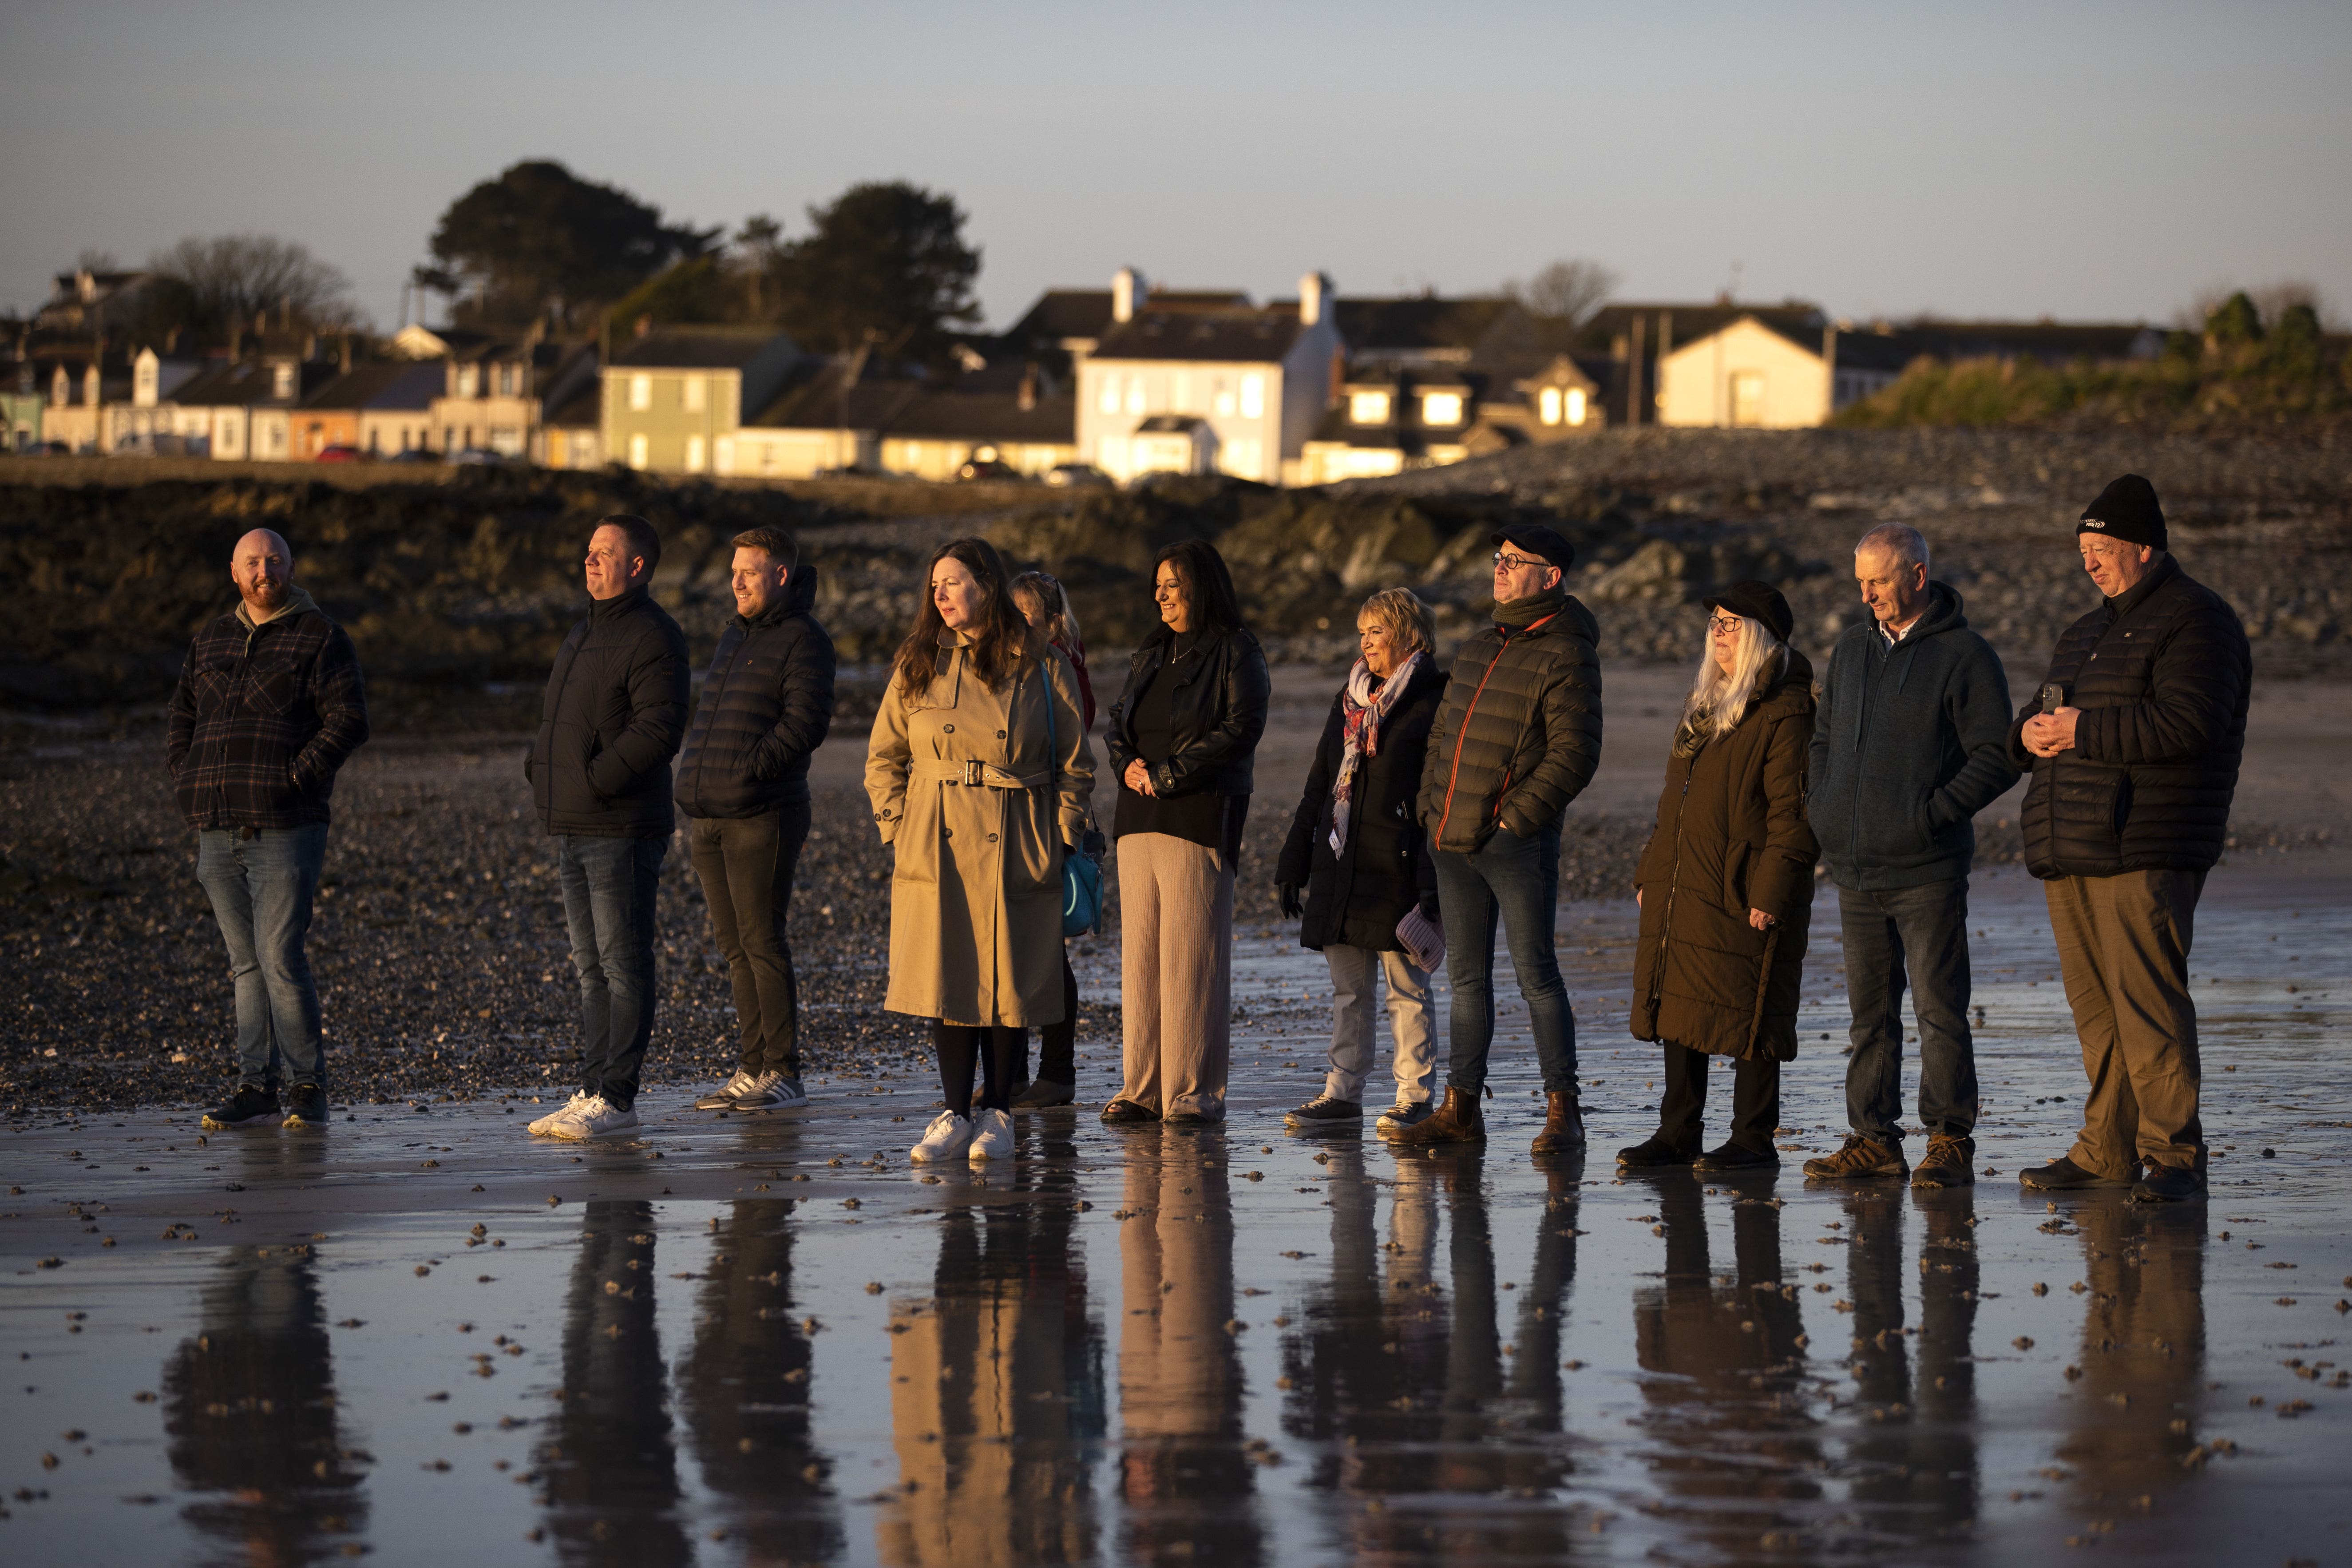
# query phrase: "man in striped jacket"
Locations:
[[269, 704], [1516, 738]]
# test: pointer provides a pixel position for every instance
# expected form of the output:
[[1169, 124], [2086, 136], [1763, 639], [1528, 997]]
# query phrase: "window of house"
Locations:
[[1243, 459], [1108, 400], [693, 454], [1253, 395], [1576, 405], [641, 396], [1135, 395], [1368, 408], [1180, 394], [690, 393], [469, 380], [639, 452], [1222, 398], [1748, 397], [1548, 402], [281, 381], [1441, 408]]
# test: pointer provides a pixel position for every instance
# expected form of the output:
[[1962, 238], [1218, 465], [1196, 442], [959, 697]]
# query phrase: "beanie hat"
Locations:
[[2127, 509], [1758, 602]]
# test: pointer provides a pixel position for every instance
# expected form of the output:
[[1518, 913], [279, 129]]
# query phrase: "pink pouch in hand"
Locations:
[[1423, 940]]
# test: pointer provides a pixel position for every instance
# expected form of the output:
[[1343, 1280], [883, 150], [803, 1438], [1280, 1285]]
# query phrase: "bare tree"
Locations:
[[236, 281], [1568, 291]]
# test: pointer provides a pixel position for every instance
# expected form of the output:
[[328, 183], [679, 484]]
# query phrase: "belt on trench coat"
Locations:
[[974, 773]]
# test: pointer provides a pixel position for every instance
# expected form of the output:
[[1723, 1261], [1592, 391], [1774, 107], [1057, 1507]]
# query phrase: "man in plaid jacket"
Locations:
[[270, 703]]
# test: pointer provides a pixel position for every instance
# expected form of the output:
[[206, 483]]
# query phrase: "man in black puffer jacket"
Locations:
[[2135, 742], [742, 783], [599, 772]]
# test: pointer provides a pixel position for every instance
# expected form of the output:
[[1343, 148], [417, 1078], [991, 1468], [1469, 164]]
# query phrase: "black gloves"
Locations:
[[1293, 901], [1428, 907]]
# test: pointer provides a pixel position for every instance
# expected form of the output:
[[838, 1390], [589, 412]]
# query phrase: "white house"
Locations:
[[1768, 374]]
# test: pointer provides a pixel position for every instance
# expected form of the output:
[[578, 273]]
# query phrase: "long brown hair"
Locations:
[[1000, 631]]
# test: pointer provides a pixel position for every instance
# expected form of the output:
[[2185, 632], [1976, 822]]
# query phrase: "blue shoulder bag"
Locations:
[[1082, 871]]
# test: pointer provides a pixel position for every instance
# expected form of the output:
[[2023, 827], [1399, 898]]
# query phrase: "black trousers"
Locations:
[[1755, 1099], [998, 1052], [1057, 1044], [746, 864]]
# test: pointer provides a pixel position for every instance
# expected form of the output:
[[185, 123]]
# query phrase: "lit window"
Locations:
[[1547, 405], [639, 449], [641, 396], [281, 381], [1368, 408], [1576, 405], [469, 380], [1243, 459], [1253, 395], [1109, 401], [693, 454], [1135, 395], [690, 393], [1748, 397], [1441, 408], [1222, 400]]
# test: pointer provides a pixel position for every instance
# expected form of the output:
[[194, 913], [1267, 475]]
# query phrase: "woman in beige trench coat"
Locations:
[[979, 792]]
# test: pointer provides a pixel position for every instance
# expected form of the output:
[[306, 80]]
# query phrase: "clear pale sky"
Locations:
[[2088, 161]]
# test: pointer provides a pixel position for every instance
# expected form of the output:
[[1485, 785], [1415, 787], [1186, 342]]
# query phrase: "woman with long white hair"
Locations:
[[1726, 886]]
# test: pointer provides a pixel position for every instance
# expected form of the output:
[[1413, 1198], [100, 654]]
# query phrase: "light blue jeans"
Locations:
[[262, 888]]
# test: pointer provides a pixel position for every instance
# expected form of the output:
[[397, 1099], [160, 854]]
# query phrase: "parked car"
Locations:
[[988, 469], [1076, 476], [415, 455], [479, 458], [340, 455]]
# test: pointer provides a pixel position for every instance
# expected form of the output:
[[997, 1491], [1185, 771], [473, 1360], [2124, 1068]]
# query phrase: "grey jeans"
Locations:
[[1355, 976], [1919, 934]]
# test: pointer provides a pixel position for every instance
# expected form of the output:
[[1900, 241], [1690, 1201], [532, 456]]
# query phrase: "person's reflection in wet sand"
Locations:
[[997, 1394], [747, 1385], [2140, 1400], [1737, 1454], [1189, 1490], [609, 1470], [250, 1413], [1911, 1451]]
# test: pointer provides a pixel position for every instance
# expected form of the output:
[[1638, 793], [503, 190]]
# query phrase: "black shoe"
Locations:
[[1736, 1157], [249, 1103], [1043, 1093], [307, 1106], [2167, 1185], [1126, 1113], [2059, 1175], [1189, 1119], [1653, 1155], [1323, 1111]]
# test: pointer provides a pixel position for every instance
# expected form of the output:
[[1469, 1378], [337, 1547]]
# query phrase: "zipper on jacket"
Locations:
[[1454, 772]]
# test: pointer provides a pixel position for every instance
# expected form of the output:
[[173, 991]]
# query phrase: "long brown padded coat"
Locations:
[[1731, 836]]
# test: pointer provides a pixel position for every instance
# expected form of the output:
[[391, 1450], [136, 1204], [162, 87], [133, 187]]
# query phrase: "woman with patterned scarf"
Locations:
[[1357, 864]]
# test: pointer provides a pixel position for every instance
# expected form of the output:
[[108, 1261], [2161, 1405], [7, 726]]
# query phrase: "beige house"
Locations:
[[570, 431], [672, 395], [840, 417], [1765, 375], [243, 411], [1255, 379]]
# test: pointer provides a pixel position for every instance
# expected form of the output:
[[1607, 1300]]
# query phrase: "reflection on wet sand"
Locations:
[[249, 1410], [2140, 1397], [610, 1472], [1188, 1487], [1737, 1451], [996, 1394], [747, 1390]]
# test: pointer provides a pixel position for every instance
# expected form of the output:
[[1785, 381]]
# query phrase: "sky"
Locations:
[[2087, 161]]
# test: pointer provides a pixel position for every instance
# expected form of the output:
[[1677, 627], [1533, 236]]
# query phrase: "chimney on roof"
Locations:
[[1128, 288], [1314, 290]]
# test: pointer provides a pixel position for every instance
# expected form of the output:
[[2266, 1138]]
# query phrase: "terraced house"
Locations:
[[673, 393]]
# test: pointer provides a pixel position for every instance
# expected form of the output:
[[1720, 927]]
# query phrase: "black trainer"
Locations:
[[1736, 1157], [1324, 1110], [249, 1103], [2059, 1175], [2167, 1185], [307, 1106], [1653, 1153], [1044, 1094]]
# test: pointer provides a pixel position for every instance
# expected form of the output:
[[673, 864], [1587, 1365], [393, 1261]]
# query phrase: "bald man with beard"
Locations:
[[270, 703]]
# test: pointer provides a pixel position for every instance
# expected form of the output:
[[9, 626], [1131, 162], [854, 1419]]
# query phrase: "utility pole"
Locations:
[[1634, 376]]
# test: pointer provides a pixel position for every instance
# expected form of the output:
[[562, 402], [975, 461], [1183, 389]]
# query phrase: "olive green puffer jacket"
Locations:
[[1518, 733]]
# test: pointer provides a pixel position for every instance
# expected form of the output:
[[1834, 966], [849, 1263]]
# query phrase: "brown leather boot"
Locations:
[[1458, 1120], [1563, 1128]]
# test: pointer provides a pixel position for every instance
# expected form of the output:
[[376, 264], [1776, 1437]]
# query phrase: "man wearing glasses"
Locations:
[[1516, 738], [1911, 742]]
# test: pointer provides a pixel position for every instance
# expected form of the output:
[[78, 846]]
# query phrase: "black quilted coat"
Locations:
[[1519, 734], [1356, 897], [616, 709], [2161, 676], [767, 705]]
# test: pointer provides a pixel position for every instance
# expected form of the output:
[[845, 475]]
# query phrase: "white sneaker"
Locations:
[[545, 1126], [772, 1091], [723, 1097], [994, 1141], [597, 1118], [947, 1136]]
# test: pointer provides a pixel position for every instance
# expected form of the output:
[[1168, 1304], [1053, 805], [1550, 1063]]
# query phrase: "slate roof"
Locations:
[[1427, 325], [242, 383], [396, 383], [680, 348], [1697, 319], [1062, 313], [1221, 336], [903, 409]]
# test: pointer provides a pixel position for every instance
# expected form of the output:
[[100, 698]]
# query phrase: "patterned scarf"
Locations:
[[1362, 706]]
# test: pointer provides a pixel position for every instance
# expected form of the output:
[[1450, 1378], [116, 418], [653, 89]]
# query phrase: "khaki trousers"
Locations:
[[1176, 973], [2123, 946], [1355, 974]]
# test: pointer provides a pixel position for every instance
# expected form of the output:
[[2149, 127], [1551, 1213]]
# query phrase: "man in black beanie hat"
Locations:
[[2134, 742]]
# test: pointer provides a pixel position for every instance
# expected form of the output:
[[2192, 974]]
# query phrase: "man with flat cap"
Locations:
[[2134, 742], [1517, 737]]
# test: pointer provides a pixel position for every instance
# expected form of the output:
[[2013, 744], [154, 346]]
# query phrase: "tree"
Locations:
[[232, 283], [1567, 292], [539, 240], [887, 265]]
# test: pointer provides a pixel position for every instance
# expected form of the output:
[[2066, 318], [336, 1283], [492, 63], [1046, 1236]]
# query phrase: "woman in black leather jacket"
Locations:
[[1181, 738]]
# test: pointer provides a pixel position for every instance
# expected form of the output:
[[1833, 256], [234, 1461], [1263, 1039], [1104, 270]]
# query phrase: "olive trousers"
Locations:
[[2123, 948]]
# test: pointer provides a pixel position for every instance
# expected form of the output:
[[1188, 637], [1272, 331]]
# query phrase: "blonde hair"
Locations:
[[1718, 702], [1059, 622], [1406, 617]]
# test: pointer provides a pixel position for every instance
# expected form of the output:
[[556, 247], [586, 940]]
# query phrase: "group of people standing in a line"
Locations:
[[1430, 820]]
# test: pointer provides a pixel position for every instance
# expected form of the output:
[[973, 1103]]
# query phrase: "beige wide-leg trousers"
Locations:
[[1176, 973], [2123, 947]]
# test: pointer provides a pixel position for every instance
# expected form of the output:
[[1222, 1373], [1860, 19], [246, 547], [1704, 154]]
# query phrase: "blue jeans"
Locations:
[[261, 890], [1516, 881], [608, 903], [1920, 934]]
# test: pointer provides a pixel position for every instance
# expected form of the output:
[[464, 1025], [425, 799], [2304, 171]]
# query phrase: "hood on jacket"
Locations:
[[1942, 615], [297, 600]]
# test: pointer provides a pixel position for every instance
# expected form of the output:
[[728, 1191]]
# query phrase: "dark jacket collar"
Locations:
[[2133, 597], [775, 615], [619, 605]]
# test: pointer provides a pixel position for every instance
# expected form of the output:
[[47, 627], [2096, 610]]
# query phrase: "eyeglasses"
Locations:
[[1723, 626], [1515, 562]]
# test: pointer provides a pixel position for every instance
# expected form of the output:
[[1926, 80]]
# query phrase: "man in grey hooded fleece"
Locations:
[[1911, 744]]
